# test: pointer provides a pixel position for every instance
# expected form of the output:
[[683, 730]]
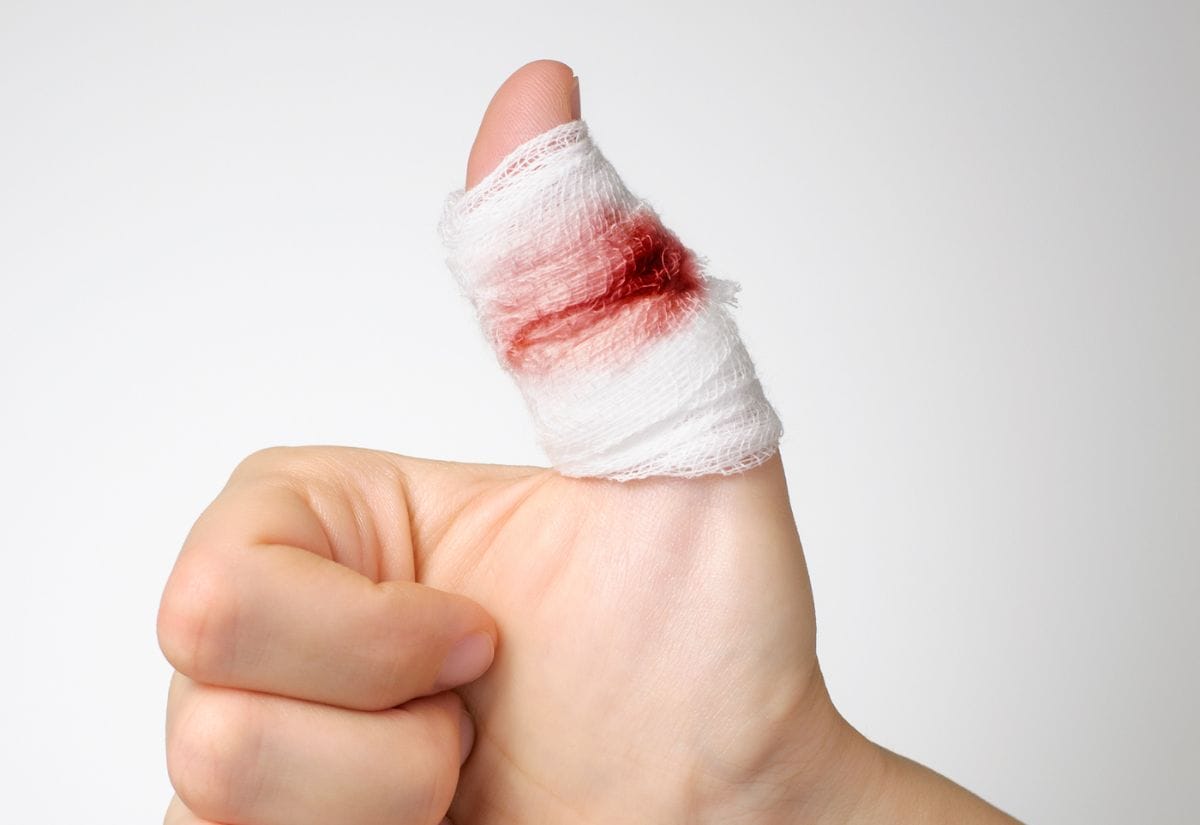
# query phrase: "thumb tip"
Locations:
[[536, 97]]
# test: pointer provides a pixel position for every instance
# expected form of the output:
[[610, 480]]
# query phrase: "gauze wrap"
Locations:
[[623, 348]]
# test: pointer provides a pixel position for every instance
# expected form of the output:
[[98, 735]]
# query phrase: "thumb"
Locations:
[[624, 348]]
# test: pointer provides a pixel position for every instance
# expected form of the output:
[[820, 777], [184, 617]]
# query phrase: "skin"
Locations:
[[649, 647]]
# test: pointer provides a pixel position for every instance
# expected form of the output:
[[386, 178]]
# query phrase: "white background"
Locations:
[[968, 236]]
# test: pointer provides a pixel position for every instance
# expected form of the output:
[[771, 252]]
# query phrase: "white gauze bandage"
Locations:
[[624, 349]]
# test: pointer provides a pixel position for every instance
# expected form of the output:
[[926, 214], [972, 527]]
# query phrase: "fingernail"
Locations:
[[466, 661], [466, 733], [575, 107]]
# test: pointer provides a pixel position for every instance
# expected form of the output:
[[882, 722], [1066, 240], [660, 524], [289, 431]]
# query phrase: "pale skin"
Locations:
[[639, 652]]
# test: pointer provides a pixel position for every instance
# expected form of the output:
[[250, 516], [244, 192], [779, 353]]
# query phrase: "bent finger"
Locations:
[[274, 591], [281, 620], [254, 759]]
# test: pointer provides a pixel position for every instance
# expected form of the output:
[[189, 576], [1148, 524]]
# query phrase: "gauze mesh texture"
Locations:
[[622, 345]]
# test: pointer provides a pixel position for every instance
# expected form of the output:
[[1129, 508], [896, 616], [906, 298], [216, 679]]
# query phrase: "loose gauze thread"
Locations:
[[622, 346]]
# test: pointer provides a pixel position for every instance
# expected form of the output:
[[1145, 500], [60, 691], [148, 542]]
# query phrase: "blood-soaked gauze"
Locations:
[[624, 350]]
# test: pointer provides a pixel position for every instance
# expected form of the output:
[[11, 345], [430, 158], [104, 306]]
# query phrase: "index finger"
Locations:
[[297, 580]]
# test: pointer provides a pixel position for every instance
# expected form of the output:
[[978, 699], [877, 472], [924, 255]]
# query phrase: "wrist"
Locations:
[[875, 786], [821, 770], [814, 768], [901, 790]]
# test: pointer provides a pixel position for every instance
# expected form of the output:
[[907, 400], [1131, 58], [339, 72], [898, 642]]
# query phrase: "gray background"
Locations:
[[967, 238]]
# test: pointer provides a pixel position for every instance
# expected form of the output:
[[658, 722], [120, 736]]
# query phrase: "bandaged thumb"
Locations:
[[622, 345]]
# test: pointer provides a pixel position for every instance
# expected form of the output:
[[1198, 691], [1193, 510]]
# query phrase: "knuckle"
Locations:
[[212, 755], [198, 619], [273, 461], [263, 459]]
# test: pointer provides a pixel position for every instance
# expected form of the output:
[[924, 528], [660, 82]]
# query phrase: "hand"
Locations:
[[312, 671], [655, 646], [642, 661]]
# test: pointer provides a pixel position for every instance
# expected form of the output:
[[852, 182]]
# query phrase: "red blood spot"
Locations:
[[652, 281]]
